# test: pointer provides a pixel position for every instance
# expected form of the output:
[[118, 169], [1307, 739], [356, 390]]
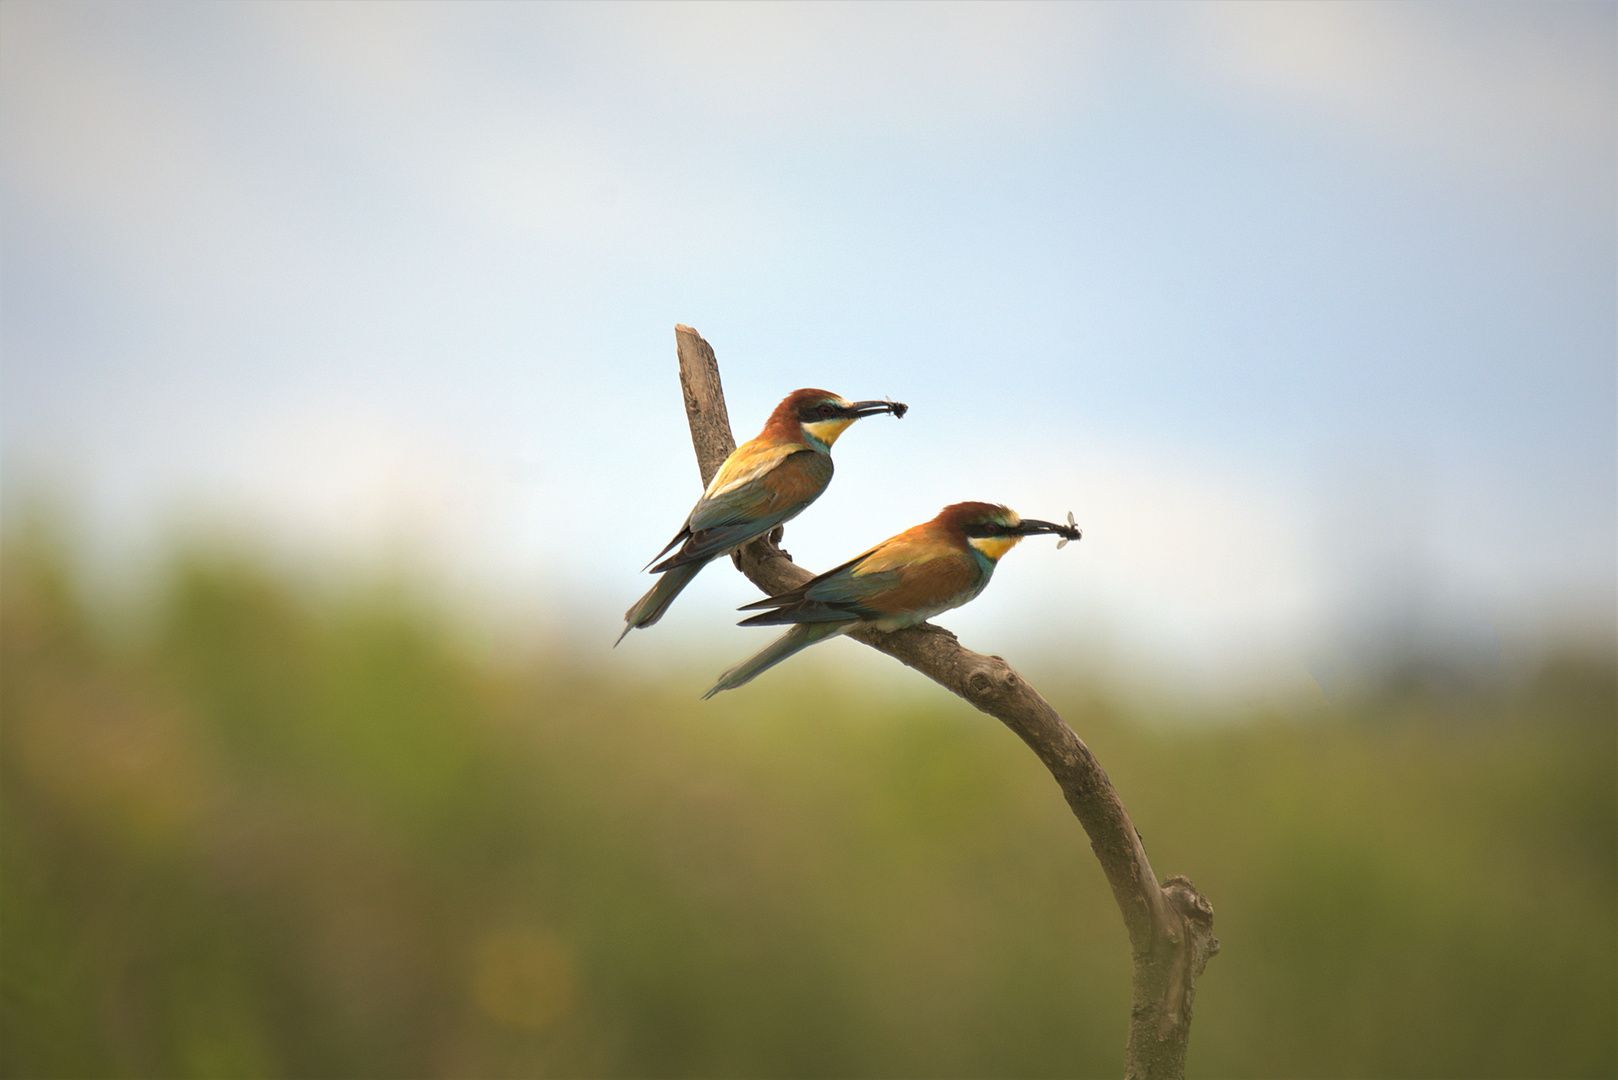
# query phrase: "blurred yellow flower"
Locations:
[[523, 978]]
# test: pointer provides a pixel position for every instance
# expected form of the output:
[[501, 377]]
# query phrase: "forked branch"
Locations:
[[1170, 926]]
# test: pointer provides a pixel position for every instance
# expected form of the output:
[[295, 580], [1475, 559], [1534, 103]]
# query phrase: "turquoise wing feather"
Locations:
[[732, 516]]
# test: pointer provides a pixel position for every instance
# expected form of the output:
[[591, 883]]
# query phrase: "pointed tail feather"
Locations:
[[649, 608], [799, 637]]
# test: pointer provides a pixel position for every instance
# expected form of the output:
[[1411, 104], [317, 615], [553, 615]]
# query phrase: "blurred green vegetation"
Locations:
[[276, 836]]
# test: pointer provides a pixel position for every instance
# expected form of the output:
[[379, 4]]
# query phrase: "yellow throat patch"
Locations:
[[827, 430], [994, 546]]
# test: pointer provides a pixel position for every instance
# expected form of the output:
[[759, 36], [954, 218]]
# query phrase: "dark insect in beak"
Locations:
[[871, 408], [1070, 531]]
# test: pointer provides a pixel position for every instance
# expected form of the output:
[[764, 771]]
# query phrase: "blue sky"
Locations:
[[1306, 311]]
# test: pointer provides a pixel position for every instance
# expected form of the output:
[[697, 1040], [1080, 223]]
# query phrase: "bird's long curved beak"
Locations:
[[871, 408], [1033, 527]]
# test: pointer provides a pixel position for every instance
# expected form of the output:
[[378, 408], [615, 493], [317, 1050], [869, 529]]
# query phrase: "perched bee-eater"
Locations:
[[904, 580], [765, 481]]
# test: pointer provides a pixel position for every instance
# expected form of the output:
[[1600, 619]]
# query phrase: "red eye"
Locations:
[[826, 410]]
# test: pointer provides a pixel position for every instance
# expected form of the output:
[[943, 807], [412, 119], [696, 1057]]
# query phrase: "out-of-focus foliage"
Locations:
[[277, 837]]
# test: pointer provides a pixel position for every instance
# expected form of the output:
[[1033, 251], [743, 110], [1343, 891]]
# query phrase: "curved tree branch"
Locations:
[[1170, 926]]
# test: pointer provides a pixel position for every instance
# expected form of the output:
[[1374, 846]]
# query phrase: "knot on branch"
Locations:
[[1194, 908], [1185, 898], [992, 680]]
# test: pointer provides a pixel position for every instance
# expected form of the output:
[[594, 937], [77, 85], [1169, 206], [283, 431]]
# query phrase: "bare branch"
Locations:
[[1170, 927], [704, 402]]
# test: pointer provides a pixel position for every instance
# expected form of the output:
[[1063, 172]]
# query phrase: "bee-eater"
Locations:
[[906, 579], [765, 481]]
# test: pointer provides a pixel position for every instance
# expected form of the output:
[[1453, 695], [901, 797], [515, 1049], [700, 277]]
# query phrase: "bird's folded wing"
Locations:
[[923, 586], [748, 462], [835, 596], [799, 595], [903, 574], [752, 504]]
